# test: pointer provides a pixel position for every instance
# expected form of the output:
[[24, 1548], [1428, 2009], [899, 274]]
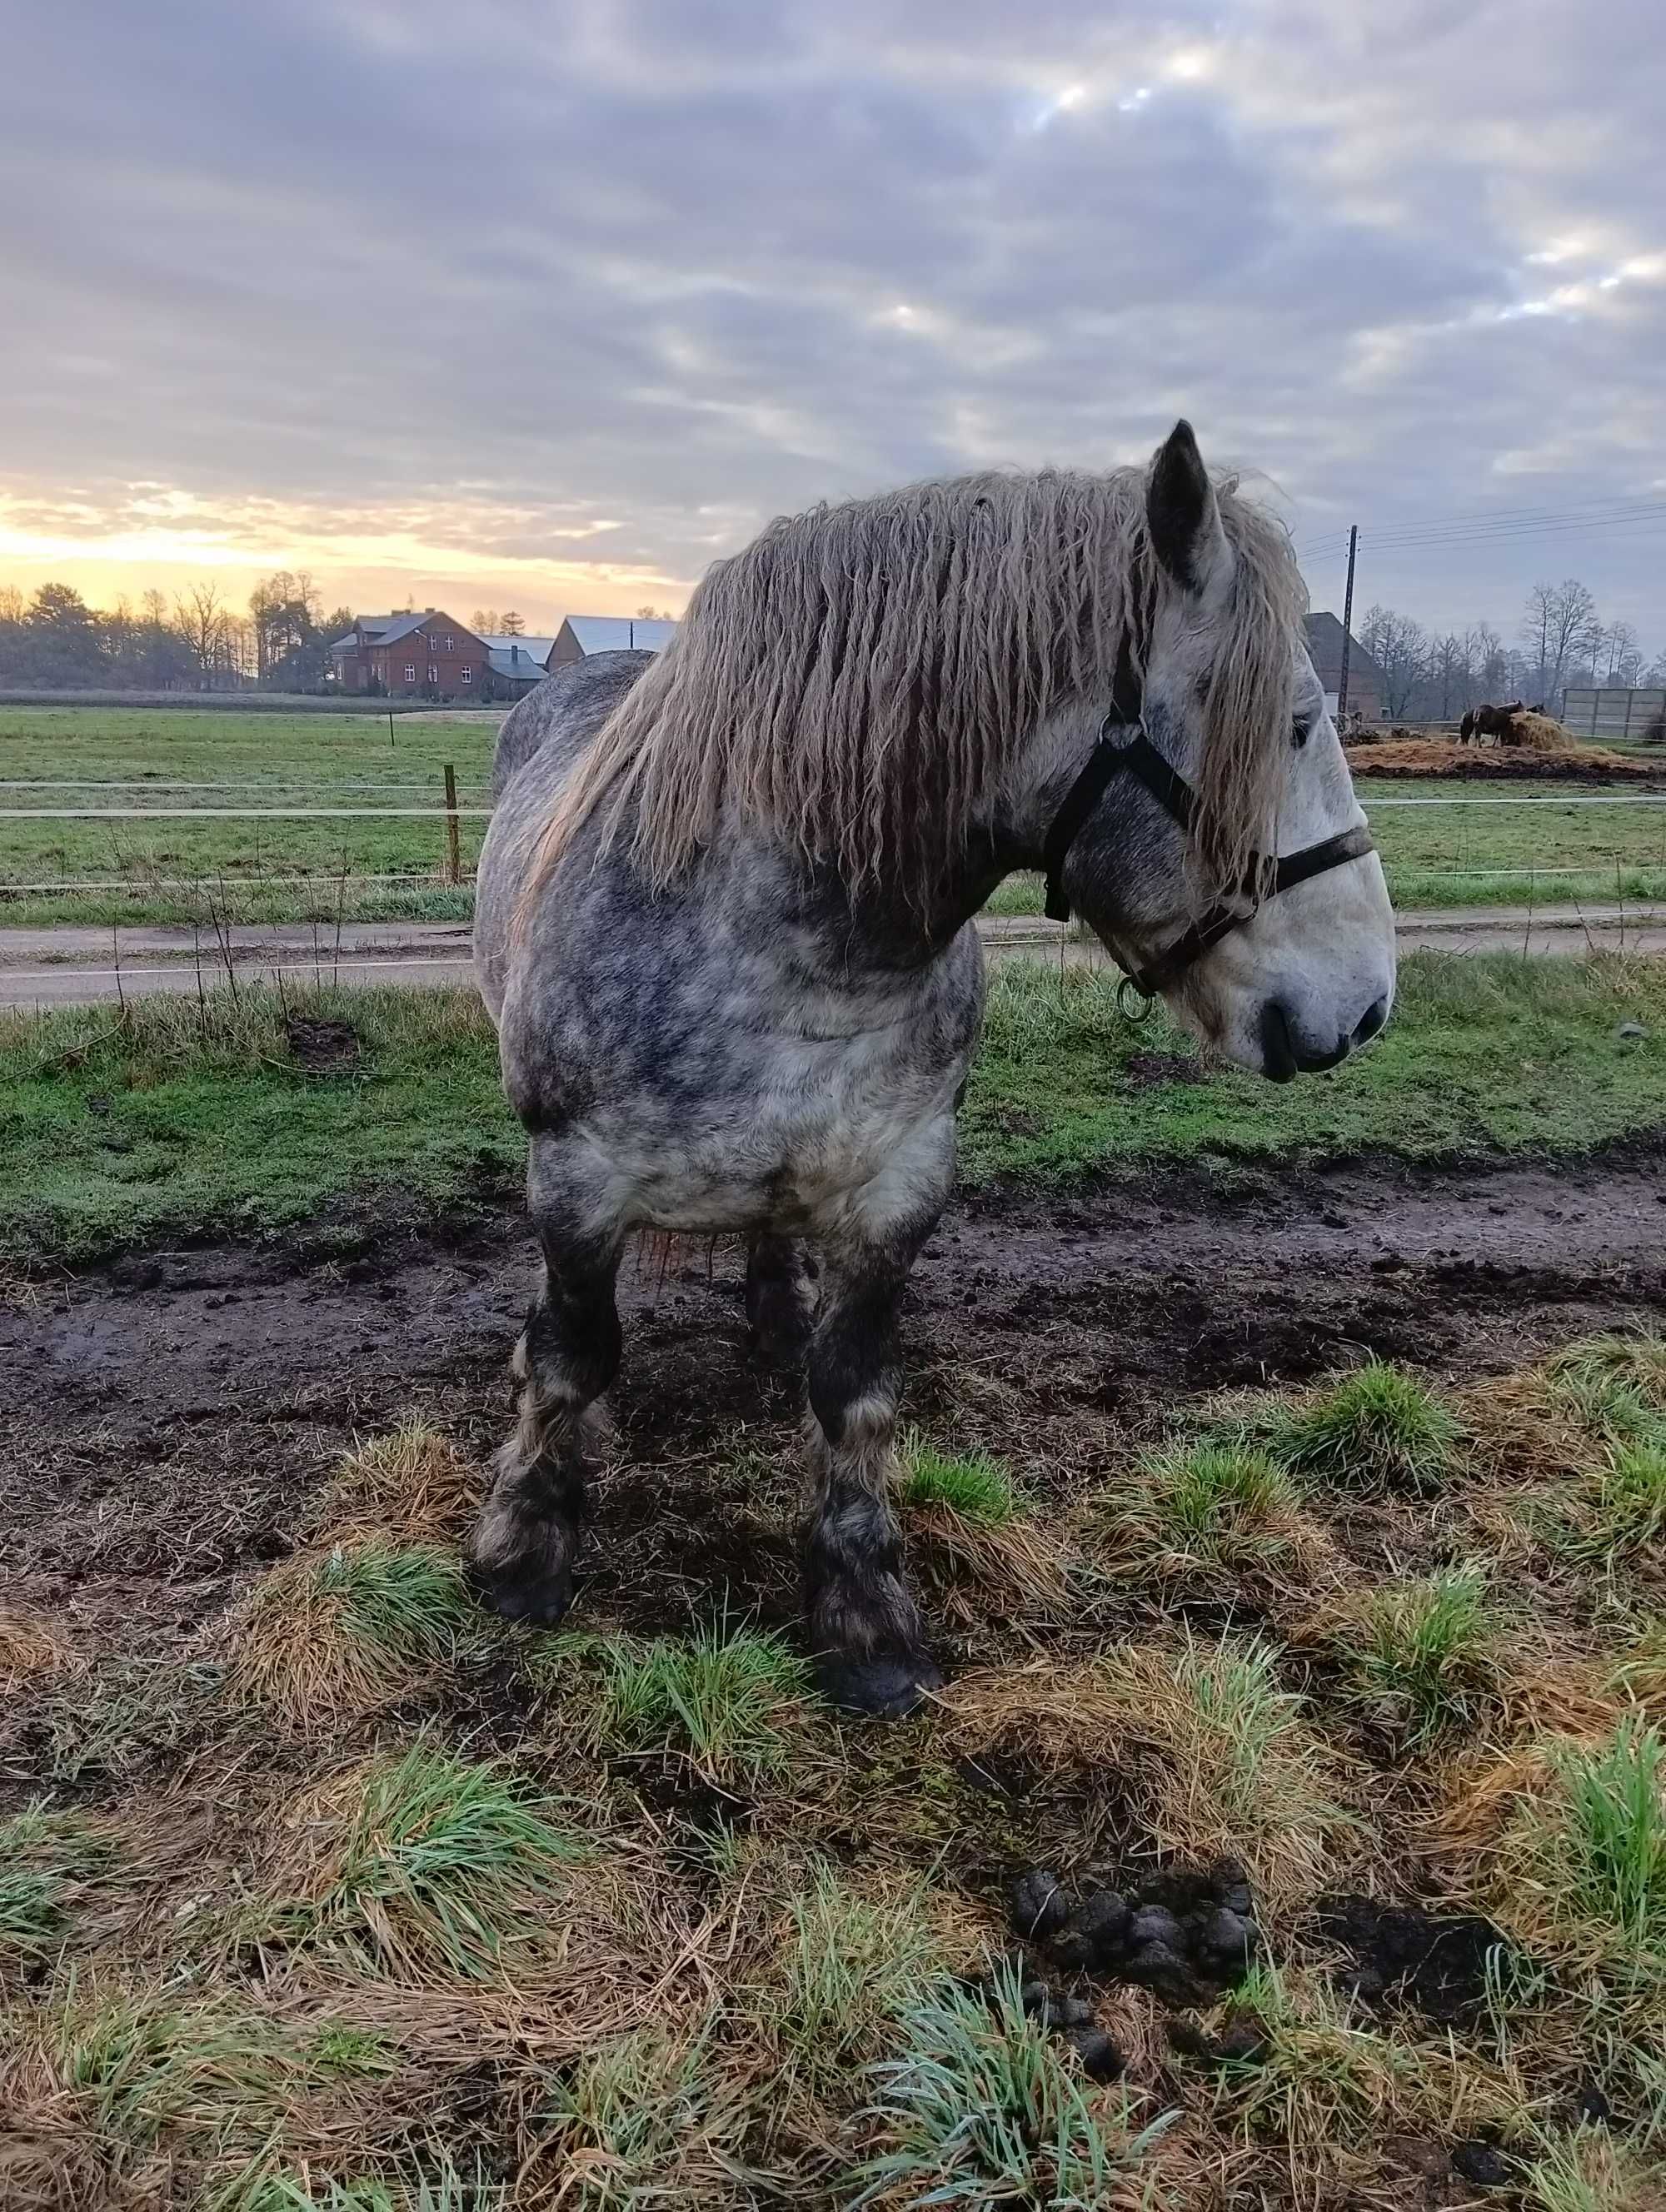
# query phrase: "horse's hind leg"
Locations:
[[864, 1628], [520, 1555], [778, 1299]]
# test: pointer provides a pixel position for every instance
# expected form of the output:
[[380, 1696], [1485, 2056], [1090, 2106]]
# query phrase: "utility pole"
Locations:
[[1347, 626]]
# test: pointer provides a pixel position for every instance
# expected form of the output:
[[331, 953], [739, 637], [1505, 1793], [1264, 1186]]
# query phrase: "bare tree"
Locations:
[[1482, 647], [514, 625], [1449, 673], [1620, 652], [1399, 648], [204, 621], [1558, 625], [485, 621], [1489, 660]]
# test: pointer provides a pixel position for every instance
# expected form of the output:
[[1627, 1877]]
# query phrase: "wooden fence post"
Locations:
[[453, 850]]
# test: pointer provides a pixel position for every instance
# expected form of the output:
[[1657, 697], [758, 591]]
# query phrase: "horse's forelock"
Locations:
[[858, 680], [1250, 703]]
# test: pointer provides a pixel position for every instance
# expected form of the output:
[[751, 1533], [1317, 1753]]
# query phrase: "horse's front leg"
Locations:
[[780, 1300], [864, 1628], [522, 1552]]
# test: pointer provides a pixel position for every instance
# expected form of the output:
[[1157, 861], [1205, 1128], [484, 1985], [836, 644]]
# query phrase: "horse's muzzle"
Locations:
[[1286, 1053]]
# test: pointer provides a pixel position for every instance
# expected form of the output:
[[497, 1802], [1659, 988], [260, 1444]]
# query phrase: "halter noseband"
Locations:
[[1141, 758]]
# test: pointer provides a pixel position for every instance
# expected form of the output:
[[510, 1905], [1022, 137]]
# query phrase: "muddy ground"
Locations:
[[165, 1424]]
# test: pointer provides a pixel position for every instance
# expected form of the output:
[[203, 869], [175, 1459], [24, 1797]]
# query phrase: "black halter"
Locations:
[[1139, 757]]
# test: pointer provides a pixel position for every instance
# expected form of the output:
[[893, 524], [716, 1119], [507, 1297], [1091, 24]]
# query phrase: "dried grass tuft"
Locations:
[[1374, 1429], [1225, 1760], [412, 1483], [1422, 1656], [1555, 1418], [424, 1865], [1328, 2077], [968, 1565], [1566, 1840], [1199, 1507], [31, 1647], [651, 2118], [331, 1636]]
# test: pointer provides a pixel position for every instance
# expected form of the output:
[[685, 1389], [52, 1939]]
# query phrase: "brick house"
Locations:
[[425, 656]]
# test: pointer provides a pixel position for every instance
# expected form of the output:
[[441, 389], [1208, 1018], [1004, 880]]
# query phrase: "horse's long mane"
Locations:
[[858, 681]]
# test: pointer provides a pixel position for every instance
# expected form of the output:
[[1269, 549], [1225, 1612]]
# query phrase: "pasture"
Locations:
[[1486, 850], [1283, 1484], [177, 1119], [139, 757]]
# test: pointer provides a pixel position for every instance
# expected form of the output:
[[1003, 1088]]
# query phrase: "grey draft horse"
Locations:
[[724, 924]]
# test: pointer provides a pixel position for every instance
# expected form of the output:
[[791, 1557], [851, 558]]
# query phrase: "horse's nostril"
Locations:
[[1370, 1021], [1278, 1047]]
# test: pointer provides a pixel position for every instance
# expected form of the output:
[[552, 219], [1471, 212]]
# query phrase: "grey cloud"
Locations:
[[644, 263]]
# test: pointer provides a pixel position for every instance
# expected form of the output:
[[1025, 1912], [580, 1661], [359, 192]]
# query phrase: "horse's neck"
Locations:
[[1009, 837], [1039, 782]]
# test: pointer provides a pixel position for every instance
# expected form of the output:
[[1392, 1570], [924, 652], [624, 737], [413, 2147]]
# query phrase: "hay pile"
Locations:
[[1574, 762], [1541, 733]]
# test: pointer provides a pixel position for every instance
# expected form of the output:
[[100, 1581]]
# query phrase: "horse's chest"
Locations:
[[806, 1121], [702, 1075]]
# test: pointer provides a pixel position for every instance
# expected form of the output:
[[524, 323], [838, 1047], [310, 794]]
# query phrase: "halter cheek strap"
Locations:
[[1136, 756]]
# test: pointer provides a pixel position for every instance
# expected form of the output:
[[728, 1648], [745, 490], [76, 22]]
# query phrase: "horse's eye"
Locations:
[[1300, 731]]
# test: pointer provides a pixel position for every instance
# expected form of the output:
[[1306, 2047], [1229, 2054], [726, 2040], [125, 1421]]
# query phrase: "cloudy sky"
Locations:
[[544, 306]]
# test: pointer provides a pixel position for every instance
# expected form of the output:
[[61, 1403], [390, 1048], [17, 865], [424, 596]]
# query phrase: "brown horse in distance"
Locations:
[[1489, 722]]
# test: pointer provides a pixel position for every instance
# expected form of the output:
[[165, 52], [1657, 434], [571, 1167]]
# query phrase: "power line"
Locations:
[[1538, 511], [1481, 529], [1392, 540]]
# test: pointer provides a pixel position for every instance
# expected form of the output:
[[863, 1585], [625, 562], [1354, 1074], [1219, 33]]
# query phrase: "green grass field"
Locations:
[[173, 1119], [181, 871], [1616, 851], [171, 871], [1484, 850]]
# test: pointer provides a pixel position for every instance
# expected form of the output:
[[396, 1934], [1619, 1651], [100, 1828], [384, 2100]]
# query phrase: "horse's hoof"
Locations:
[[539, 1599], [884, 1689]]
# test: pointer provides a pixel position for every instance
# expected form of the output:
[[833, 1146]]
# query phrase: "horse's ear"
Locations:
[[1181, 512]]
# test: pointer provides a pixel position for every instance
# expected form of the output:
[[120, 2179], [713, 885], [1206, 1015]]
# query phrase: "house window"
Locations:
[[468, 674], [433, 673], [410, 673], [451, 645]]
